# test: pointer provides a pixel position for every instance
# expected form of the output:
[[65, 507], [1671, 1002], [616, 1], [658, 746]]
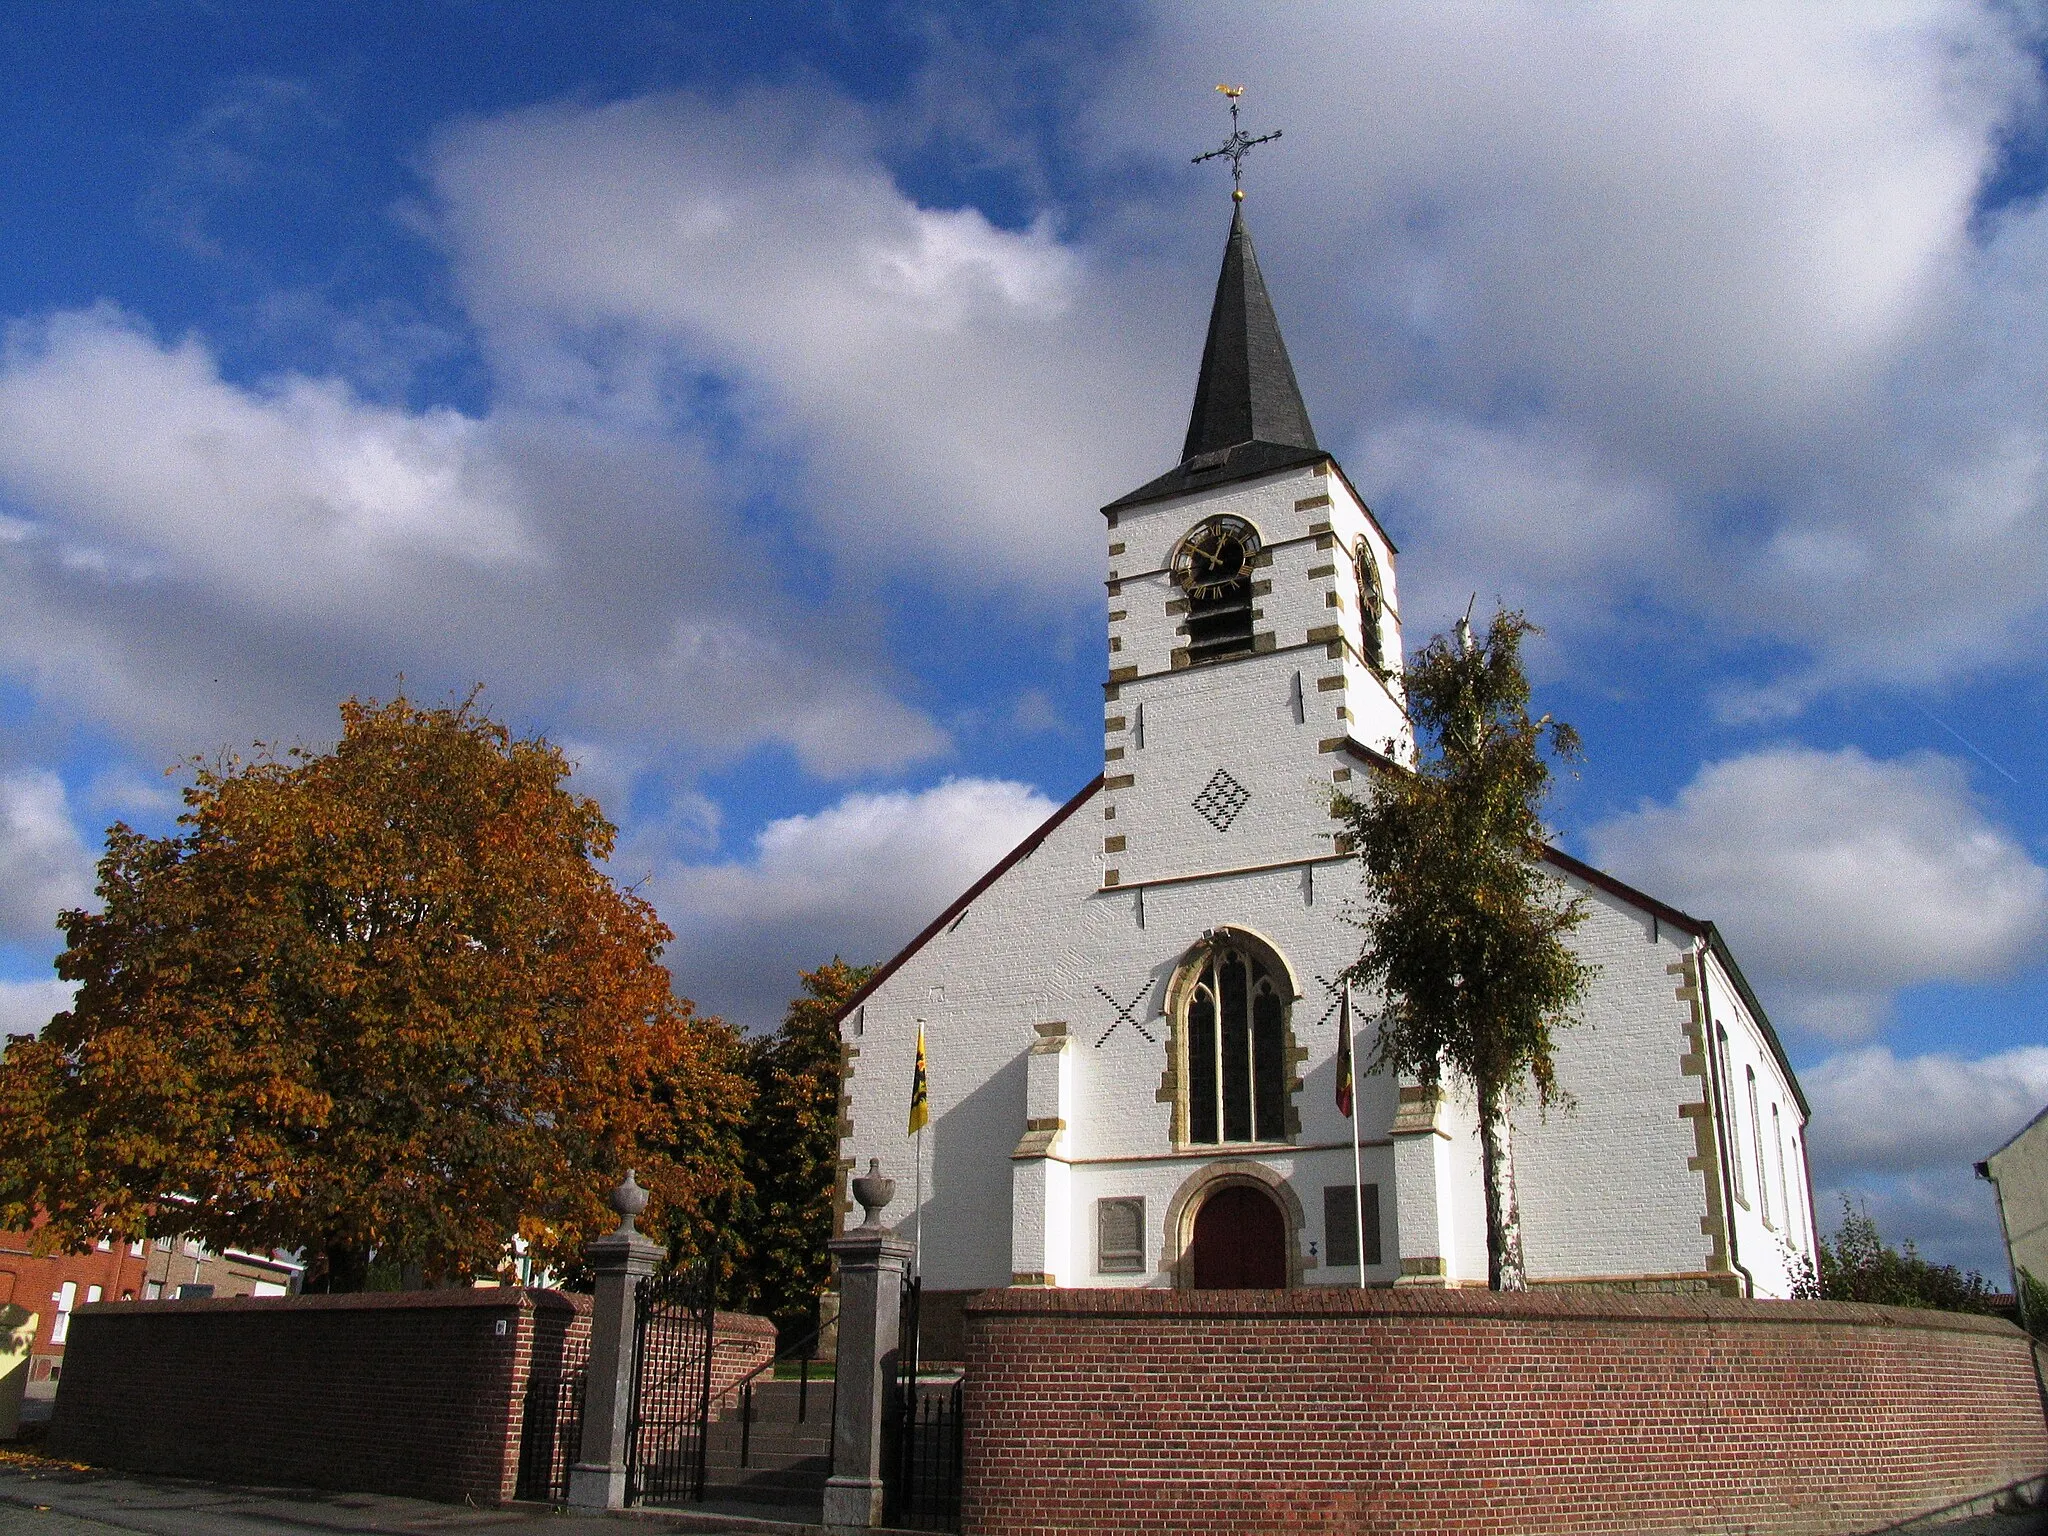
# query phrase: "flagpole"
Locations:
[[1357, 1161], [917, 1233]]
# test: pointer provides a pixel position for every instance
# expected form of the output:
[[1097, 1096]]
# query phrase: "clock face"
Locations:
[[1214, 554]]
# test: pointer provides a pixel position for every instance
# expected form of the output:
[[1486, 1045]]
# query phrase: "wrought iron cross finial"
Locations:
[[1237, 146]]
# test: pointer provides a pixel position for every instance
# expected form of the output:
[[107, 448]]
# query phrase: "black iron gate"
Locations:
[[921, 1442], [672, 1342]]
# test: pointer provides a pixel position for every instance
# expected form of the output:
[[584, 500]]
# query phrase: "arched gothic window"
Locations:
[[1371, 603], [1235, 1048], [1213, 566]]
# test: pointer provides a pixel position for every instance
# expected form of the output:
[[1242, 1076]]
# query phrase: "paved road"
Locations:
[[45, 1499], [49, 1500]]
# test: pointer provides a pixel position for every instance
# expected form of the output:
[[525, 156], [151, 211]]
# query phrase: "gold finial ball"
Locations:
[[1237, 194]]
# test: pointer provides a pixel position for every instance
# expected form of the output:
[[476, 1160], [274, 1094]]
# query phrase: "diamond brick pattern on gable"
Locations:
[[1220, 800]]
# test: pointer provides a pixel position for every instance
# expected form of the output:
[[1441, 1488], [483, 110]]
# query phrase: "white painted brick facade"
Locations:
[[1103, 911]]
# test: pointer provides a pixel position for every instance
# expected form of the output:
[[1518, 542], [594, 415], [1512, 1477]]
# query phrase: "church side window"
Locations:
[[1371, 603], [1756, 1138], [1213, 566], [1784, 1187], [1236, 1051], [1734, 1135]]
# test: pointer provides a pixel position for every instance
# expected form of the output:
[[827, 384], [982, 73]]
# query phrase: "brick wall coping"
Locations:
[[1475, 1305], [745, 1322], [487, 1298]]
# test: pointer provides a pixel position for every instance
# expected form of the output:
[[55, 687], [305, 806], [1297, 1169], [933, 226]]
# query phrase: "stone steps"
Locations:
[[787, 1461]]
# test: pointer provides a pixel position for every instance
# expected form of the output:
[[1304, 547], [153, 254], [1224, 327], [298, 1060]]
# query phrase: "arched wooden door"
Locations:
[[1240, 1241]]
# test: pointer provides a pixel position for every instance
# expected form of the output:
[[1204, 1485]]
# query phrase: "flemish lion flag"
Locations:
[[920, 1112], [1343, 1054]]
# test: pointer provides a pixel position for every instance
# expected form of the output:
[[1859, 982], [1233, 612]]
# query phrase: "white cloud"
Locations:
[[1876, 1113], [1899, 1137], [202, 562], [26, 1006], [949, 389], [1631, 304], [857, 879], [44, 867], [1838, 878]]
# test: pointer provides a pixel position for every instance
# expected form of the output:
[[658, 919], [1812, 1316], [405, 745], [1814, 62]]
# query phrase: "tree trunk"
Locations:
[[346, 1268], [1504, 1270]]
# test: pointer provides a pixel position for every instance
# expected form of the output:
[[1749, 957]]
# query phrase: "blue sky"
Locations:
[[731, 390]]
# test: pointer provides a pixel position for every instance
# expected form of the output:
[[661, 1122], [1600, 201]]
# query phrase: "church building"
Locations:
[[1131, 1022]]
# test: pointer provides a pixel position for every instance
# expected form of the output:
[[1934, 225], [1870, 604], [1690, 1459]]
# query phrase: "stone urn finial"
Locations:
[[629, 1200], [874, 1192]]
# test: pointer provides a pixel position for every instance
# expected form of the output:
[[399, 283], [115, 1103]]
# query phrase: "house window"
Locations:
[[1756, 1138], [1120, 1237], [93, 1294], [1340, 1224], [1371, 602], [1212, 565], [1235, 1042], [66, 1299]]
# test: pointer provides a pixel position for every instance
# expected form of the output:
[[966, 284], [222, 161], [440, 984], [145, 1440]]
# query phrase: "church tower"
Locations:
[[1253, 621]]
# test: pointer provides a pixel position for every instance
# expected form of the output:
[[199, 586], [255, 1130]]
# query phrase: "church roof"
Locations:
[[1248, 417]]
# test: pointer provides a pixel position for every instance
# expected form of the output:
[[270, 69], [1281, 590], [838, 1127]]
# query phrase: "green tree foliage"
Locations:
[[792, 1150], [1466, 937], [1857, 1265], [2033, 1300], [375, 1001]]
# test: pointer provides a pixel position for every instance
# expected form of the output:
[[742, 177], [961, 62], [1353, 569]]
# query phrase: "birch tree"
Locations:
[[1466, 936]]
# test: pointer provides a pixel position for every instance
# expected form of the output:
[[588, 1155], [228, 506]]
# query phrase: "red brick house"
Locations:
[[51, 1286]]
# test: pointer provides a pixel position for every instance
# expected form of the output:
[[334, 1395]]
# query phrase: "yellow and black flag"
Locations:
[[920, 1111]]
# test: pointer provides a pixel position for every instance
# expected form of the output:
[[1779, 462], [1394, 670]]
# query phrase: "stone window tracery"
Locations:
[[1234, 1045]]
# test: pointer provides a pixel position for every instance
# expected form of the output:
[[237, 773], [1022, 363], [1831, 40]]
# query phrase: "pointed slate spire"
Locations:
[[1248, 418], [1246, 392]]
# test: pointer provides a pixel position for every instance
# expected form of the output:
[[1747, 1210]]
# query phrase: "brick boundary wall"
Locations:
[[1470, 1414], [412, 1392]]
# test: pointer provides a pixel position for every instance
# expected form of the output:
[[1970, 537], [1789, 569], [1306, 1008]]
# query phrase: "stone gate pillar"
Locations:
[[872, 1264], [597, 1479]]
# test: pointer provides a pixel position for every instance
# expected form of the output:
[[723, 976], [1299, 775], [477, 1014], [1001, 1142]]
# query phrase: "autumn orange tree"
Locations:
[[792, 1141], [379, 1001]]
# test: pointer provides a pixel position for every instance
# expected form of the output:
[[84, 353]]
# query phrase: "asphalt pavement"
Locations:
[[46, 1498], [53, 1499]]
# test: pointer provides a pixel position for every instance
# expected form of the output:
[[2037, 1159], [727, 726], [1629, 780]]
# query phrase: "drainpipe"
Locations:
[[1711, 1042]]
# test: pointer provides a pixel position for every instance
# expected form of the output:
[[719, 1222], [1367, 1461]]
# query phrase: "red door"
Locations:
[[1240, 1241]]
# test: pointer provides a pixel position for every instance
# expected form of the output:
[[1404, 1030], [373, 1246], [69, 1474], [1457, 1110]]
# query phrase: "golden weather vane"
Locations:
[[1237, 146]]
